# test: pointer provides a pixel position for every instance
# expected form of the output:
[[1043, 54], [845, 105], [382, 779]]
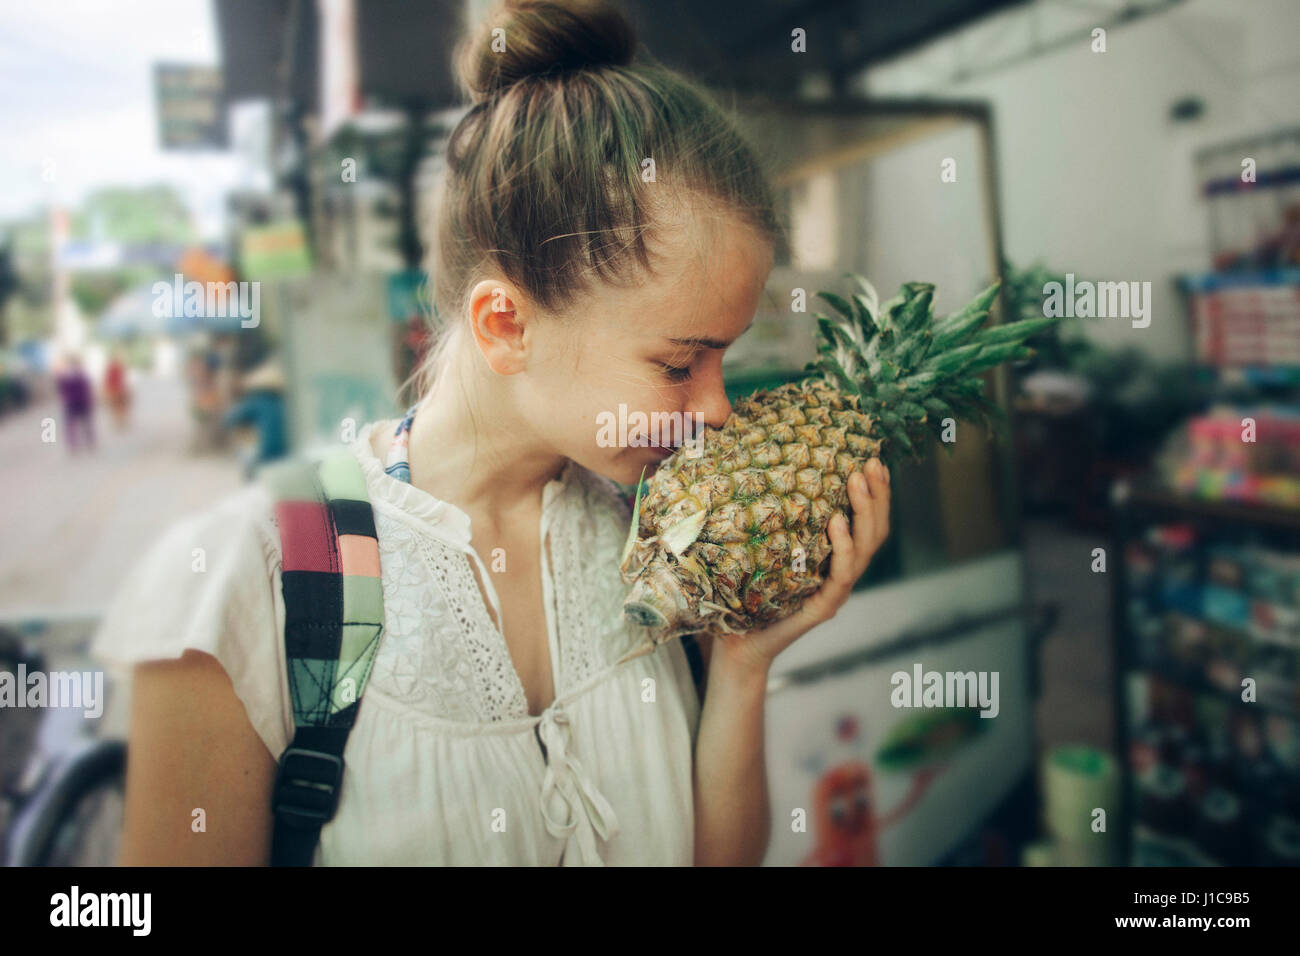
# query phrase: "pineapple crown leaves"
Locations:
[[910, 370], [636, 517]]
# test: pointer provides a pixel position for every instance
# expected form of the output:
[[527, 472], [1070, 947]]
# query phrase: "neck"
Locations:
[[470, 447]]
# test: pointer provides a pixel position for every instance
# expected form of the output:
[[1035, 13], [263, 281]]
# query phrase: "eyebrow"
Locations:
[[710, 343]]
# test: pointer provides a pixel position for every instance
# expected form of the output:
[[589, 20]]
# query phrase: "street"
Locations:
[[71, 525]]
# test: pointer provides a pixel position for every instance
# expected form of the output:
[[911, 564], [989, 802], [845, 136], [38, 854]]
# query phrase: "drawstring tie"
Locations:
[[571, 805]]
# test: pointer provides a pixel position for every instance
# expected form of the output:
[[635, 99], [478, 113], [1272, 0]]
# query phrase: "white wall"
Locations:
[[1094, 177]]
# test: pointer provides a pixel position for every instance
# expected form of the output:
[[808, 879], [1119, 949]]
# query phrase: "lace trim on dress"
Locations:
[[575, 608], [438, 654], [591, 608], [441, 653]]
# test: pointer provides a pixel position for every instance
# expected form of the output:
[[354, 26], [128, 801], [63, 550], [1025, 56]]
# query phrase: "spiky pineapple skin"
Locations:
[[734, 538], [770, 480]]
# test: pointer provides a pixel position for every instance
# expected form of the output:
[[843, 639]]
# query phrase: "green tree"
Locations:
[[134, 215]]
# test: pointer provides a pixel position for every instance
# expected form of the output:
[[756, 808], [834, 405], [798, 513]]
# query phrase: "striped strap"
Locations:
[[330, 577], [333, 622]]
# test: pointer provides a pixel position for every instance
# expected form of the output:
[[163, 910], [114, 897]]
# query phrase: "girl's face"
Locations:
[[635, 372]]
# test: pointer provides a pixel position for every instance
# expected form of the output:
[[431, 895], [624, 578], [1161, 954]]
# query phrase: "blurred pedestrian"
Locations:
[[78, 398], [261, 408], [116, 390], [205, 399]]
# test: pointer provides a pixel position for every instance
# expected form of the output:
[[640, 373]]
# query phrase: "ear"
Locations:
[[498, 318]]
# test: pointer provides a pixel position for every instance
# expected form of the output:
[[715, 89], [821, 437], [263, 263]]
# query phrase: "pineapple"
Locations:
[[731, 535]]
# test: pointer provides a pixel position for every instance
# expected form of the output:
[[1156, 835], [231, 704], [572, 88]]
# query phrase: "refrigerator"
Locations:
[[902, 731]]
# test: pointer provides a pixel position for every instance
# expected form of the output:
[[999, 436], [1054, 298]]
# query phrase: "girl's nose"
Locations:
[[711, 398]]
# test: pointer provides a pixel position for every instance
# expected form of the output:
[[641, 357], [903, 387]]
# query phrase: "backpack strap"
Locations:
[[333, 622]]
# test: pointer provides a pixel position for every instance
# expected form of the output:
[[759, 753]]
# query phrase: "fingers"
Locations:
[[842, 573], [851, 550], [869, 494], [864, 512], [878, 480]]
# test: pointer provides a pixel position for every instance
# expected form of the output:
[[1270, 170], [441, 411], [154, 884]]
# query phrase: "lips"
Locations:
[[664, 451]]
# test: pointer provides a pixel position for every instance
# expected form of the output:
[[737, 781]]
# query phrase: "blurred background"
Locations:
[[1124, 555]]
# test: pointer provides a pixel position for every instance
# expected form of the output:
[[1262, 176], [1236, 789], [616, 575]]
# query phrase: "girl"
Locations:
[[496, 727]]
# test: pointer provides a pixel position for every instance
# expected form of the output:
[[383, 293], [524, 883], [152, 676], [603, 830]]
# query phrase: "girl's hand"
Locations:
[[851, 553]]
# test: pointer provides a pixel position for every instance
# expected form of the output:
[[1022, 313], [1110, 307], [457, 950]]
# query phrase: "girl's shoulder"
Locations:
[[213, 552], [248, 516], [235, 530], [208, 583]]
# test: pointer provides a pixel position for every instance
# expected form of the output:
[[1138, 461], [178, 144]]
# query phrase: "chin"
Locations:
[[626, 467]]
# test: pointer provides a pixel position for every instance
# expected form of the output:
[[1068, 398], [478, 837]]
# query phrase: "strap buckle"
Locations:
[[307, 787]]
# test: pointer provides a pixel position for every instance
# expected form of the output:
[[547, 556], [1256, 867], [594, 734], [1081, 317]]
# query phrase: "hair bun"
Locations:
[[541, 37]]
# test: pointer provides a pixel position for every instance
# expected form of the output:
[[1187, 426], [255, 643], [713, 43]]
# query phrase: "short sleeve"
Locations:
[[211, 582]]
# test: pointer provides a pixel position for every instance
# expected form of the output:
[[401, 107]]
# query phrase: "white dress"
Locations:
[[444, 765]]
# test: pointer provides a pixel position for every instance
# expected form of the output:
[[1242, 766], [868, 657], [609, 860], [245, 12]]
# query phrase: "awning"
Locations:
[[404, 49], [145, 311]]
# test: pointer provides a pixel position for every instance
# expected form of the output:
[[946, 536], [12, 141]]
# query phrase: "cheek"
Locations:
[[611, 387], [630, 424], [639, 387]]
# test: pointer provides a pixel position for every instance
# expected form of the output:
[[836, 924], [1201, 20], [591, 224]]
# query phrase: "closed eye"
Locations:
[[676, 373]]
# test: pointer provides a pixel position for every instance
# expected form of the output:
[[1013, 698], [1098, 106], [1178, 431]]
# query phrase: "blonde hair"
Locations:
[[543, 176]]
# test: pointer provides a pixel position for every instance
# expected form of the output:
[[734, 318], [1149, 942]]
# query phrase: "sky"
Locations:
[[77, 103]]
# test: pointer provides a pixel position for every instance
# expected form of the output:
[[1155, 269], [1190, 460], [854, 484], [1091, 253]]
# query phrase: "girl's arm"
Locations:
[[732, 815], [192, 747]]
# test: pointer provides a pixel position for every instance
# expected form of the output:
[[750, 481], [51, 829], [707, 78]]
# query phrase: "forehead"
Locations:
[[709, 273]]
